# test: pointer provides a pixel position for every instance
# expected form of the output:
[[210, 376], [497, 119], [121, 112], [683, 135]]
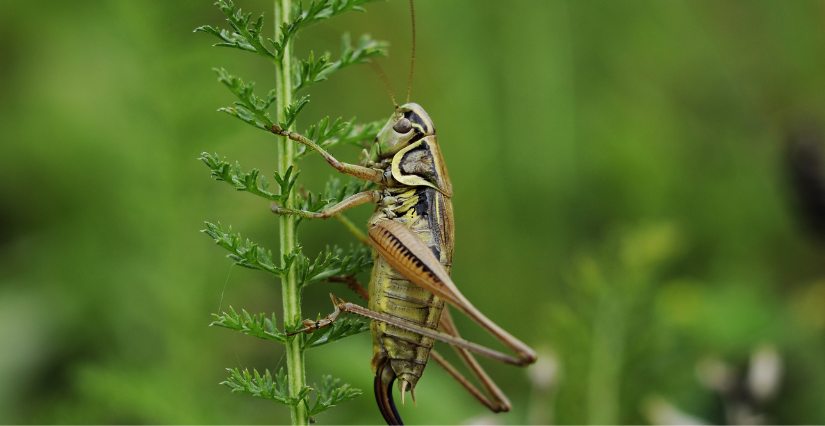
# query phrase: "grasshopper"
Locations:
[[412, 235]]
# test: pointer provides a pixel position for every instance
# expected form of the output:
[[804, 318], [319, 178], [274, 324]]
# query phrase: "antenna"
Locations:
[[380, 72], [412, 61]]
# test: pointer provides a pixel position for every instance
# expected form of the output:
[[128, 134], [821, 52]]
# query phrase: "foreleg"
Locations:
[[346, 204], [361, 172]]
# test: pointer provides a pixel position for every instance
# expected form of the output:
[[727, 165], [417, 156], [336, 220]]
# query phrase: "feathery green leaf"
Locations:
[[334, 262], [309, 72], [341, 133], [249, 181], [247, 35], [266, 387], [291, 112], [331, 394], [253, 325], [331, 8], [249, 108], [367, 48], [246, 253], [342, 327]]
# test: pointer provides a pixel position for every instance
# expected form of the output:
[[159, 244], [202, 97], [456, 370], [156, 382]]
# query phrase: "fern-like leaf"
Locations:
[[367, 48], [249, 107], [254, 325], [246, 35], [342, 133], [309, 72], [338, 189], [336, 262], [334, 7], [249, 181], [332, 393], [246, 253], [266, 387], [291, 112], [342, 327]]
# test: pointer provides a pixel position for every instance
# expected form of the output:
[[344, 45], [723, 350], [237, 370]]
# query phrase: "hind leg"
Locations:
[[495, 399]]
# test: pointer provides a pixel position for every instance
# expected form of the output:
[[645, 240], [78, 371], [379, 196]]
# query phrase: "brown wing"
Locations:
[[402, 249]]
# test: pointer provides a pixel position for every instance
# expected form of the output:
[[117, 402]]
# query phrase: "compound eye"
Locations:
[[402, 126]]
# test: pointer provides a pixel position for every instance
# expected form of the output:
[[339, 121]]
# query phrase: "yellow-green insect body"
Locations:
[[417, 196]]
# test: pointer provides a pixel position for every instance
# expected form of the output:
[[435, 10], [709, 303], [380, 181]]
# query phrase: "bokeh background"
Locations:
[[637, 195]]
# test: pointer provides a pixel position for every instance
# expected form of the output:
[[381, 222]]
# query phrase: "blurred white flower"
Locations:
[[765, 373]]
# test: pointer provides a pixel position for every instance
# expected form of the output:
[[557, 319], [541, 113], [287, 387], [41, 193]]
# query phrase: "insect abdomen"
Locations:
[[391, 293], [394, 295]]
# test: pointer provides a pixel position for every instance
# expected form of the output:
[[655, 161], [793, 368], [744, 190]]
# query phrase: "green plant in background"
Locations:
[[293, 268], [609, 326]]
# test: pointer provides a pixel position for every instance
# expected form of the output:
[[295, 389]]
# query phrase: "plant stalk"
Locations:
[[291, 293], [606, 358]]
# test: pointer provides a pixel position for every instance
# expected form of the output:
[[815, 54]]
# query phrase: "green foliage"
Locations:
[[367, 48], [331, 394], [337, 189], [292, 111], [246, 35], [222, 171], [246, 253], [334, 262], [340, 133], [342, 327], [253, 325], [266, 387], [609, 315], [248, 108], [265, 328], [324, 9], [326, 132], [310, 71]]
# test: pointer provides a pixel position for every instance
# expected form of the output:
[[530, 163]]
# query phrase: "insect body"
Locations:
[[418, 198], [412, 235]]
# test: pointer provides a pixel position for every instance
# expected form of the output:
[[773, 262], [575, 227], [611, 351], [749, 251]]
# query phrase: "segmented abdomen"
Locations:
[[396, 296], [393, 294]]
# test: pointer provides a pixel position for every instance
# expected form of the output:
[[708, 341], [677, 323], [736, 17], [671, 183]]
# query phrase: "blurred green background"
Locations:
[[622, 203]]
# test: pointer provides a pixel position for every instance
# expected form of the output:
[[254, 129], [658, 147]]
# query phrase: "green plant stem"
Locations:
[[291, 293], [352, 228], [606, 358]]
